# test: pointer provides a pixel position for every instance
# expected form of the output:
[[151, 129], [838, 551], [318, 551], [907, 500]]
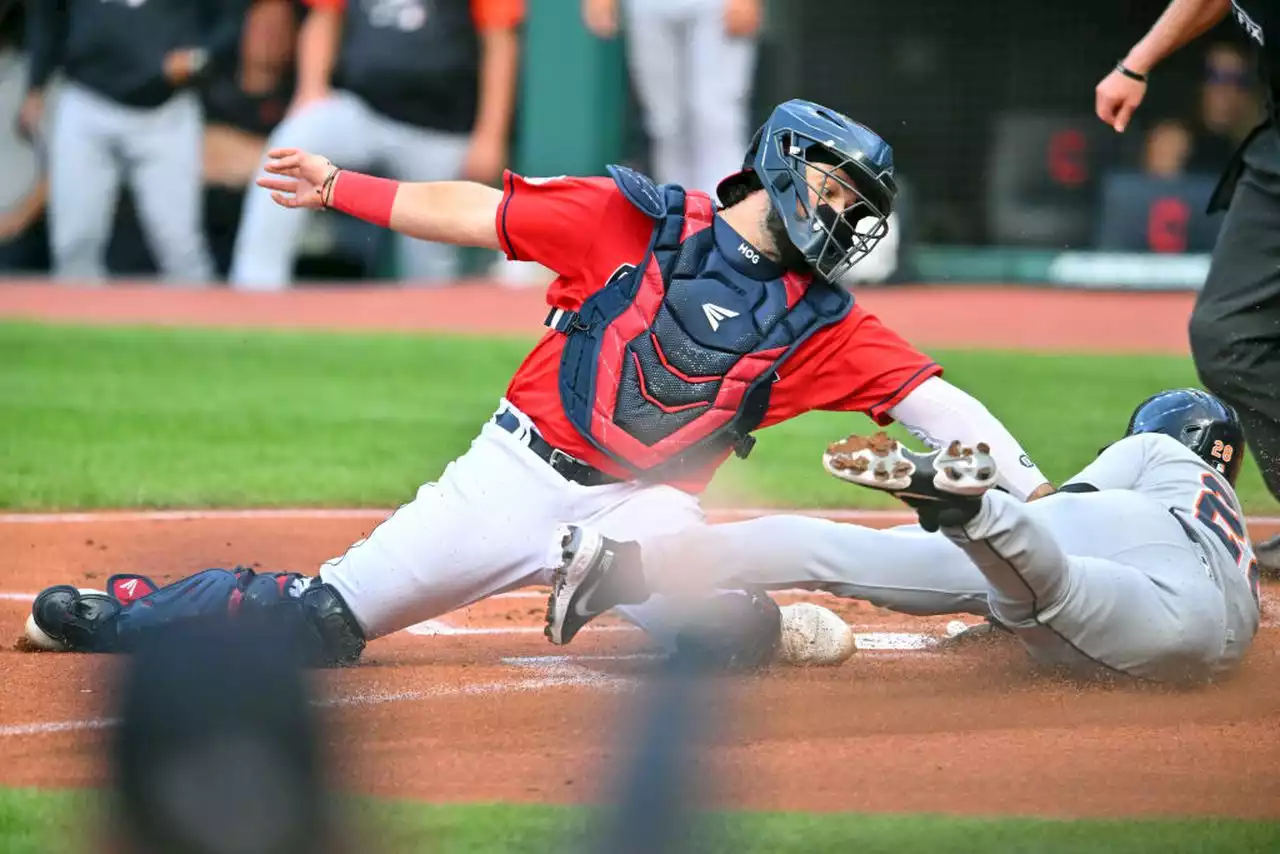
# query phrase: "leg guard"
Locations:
[[341, 640], [118, 622], [66, 619], [330, 634]]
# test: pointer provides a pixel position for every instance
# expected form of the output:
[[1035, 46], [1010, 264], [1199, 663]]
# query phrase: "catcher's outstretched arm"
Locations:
[[937, 412], [459, 212], [463, 213]]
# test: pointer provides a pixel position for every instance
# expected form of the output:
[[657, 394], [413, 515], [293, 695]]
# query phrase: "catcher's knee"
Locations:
[[340, 640], [331, 635]]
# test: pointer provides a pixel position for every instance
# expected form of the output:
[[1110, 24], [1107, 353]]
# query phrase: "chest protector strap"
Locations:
[[670, 365]]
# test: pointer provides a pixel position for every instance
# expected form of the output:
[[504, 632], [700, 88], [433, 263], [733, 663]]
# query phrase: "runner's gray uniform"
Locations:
[[1152, 575]]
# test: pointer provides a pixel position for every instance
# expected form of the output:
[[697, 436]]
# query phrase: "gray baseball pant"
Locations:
[[94, 142], [693, 82], [347, 131], [1107, 581]]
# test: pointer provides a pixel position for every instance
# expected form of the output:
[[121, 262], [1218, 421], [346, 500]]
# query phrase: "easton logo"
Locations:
[[715, 314]]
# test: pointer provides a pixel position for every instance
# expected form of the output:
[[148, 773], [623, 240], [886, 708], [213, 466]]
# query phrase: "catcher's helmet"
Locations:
[[802, 134], [1198, 420]]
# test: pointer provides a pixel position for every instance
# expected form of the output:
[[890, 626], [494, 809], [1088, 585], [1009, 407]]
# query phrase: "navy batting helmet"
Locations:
[[806, 147], [1198, 420]]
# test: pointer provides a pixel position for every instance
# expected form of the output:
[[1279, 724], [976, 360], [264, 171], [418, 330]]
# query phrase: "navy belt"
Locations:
[[570, 468]]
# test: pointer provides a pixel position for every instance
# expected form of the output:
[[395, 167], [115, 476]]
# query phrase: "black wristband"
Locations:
[[1132, 75], [326, 189]]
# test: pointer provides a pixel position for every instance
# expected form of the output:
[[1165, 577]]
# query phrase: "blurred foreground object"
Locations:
[[219, 748]]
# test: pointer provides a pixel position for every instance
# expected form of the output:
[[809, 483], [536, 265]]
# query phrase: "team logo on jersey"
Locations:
[[404, 15], [537, 181], [715, 315]]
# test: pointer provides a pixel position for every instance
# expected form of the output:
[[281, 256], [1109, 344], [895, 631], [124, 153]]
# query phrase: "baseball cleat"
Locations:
[[944, 486], [989, 630], [63, 618], [579, 592]]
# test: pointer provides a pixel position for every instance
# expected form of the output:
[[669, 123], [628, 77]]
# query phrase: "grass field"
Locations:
[[54, 823], [103, 418]]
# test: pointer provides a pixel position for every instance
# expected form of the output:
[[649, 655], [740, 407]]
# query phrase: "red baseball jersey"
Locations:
[[584, 229]]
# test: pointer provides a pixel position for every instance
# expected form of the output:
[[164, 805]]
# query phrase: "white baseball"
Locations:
[[814, 636]]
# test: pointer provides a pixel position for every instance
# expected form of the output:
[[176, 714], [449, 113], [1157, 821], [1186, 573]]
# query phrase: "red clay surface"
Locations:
[[503, 715]]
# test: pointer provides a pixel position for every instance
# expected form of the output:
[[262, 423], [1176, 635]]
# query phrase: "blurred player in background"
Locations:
[[424, 90], [1235, 327], [691, 63], [129, 112], [25, 190], [243, 105]]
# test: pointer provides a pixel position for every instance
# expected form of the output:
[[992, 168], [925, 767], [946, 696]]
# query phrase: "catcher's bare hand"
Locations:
[[303, 177], [1117, 96]]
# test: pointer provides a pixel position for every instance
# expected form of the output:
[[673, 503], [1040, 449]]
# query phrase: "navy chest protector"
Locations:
[[669, 366]]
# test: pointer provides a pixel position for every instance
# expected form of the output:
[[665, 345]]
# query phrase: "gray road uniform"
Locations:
[[1146, 571]]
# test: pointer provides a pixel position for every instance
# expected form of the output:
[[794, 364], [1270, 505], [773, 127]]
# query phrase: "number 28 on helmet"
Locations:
[[1198, 420]]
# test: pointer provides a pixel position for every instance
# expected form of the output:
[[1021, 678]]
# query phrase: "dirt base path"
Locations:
[[478, 706]]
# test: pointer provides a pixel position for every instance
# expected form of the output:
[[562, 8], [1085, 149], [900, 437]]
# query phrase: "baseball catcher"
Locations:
[[677, 328]]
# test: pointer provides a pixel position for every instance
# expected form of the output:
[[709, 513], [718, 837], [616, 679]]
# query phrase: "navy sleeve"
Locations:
[[45, 36]]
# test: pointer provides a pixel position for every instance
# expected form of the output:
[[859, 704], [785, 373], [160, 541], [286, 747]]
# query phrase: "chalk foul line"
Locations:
[[546, 672]]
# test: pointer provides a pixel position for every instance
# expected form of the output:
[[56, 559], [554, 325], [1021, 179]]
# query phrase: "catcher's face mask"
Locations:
[[830, 184]]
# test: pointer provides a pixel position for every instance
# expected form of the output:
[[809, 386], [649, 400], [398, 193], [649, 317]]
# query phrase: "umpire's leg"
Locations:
[[1235, 327]]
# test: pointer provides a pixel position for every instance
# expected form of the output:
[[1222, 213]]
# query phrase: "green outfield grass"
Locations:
[[60, 823], [111, 417]]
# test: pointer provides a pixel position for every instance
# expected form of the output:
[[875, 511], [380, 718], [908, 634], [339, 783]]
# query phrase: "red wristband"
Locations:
[[364, 196]]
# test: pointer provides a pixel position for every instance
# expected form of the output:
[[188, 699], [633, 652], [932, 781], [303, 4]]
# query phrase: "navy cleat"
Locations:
[[944, 486], [591, 578]]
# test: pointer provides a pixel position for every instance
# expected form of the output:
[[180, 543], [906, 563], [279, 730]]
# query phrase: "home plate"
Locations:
[[893, 640]]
